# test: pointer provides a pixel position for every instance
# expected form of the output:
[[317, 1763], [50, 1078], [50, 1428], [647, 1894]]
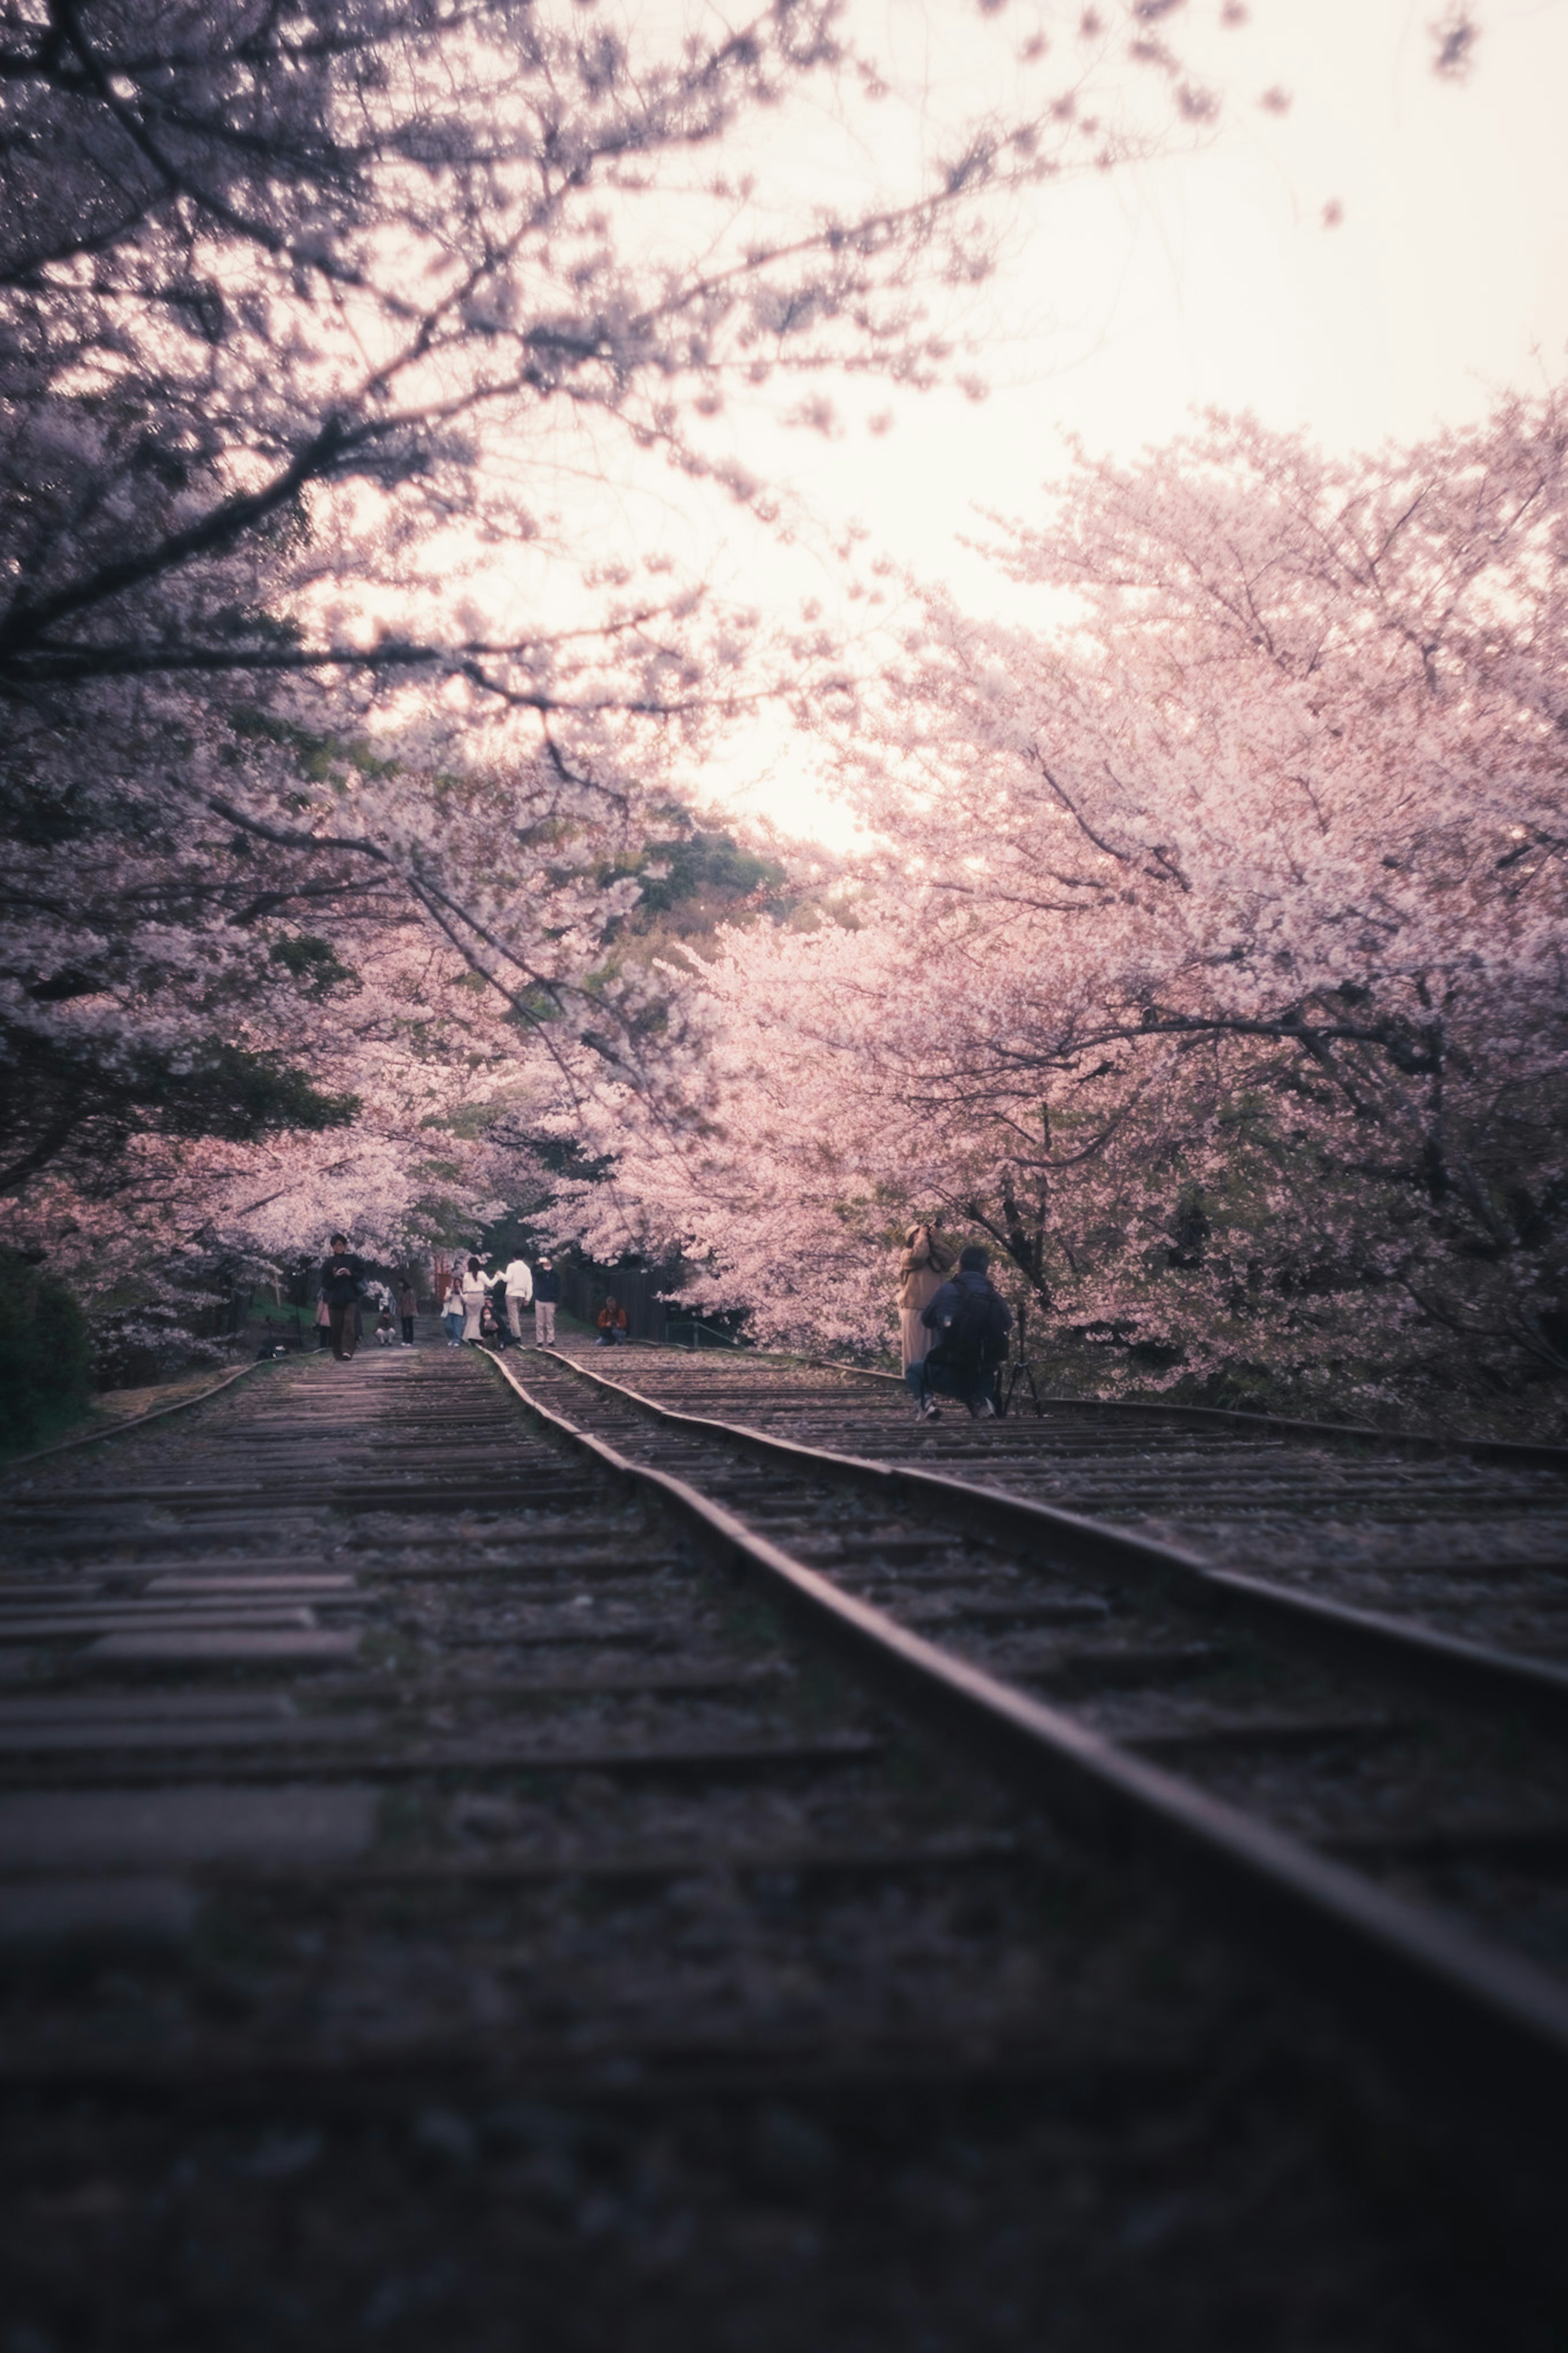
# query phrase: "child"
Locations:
[[386, 1328]]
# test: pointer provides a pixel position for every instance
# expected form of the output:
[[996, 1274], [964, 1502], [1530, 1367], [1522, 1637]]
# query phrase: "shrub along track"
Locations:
[[443, 1901]]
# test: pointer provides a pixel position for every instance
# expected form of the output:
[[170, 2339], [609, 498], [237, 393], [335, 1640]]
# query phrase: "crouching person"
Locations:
[[969, 1321], [613, 1325]]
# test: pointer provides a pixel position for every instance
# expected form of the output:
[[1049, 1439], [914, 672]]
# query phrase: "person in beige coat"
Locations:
[[922, 1269]]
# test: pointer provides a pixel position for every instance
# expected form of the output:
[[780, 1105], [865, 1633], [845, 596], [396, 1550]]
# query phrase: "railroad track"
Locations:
[[1470, 1536], [439, 1892], [1428, 1770]]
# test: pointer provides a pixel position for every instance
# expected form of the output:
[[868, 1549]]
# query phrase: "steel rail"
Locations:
[[1499, 2024], [1524, 1453], [134, 1420], [904, 1954], [1418, 1654]]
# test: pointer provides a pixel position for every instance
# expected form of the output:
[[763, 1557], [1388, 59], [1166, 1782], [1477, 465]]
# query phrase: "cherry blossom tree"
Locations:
[[331, 756], [1214, 968], [306, 315]]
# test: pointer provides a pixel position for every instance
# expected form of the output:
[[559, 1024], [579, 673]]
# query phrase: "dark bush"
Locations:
[[45, 1353]]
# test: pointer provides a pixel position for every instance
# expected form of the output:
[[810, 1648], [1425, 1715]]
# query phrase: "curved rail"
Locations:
[[1524, 1453], [134, 1420], [400, 1746], [1468, 1669], [1502, 2024]]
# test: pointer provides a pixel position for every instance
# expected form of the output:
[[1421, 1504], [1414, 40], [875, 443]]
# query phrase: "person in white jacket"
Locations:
[[518, 1294]]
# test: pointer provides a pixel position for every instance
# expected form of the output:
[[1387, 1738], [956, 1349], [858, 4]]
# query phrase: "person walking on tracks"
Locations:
[[921, 1271], [407, 1308], [476, 1291], [969, 1322], [342, 1279], [519, 1282], [495, 1322], [452, 1312], [546, 1298]]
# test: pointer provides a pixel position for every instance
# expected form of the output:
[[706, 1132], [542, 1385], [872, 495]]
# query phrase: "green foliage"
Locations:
[[704, 869], [37, 817], [555, 1158], [314, 962], [45, 1353], [708, 880], [531, 1008], [231, 1092], [316, 757], [72, 1097], [562, 1156], [439, 1219]]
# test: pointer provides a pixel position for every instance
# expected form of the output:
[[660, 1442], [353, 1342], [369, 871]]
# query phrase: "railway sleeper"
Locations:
[[486, 2024], [1277, 1885]]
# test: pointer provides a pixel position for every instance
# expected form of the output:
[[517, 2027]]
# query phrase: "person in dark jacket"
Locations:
[[497, 1339], [546, 1298], [341, 1276], [971, 1322], [408, 1309]]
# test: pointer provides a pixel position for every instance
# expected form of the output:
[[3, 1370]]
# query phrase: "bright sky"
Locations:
[[1209, 277]]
